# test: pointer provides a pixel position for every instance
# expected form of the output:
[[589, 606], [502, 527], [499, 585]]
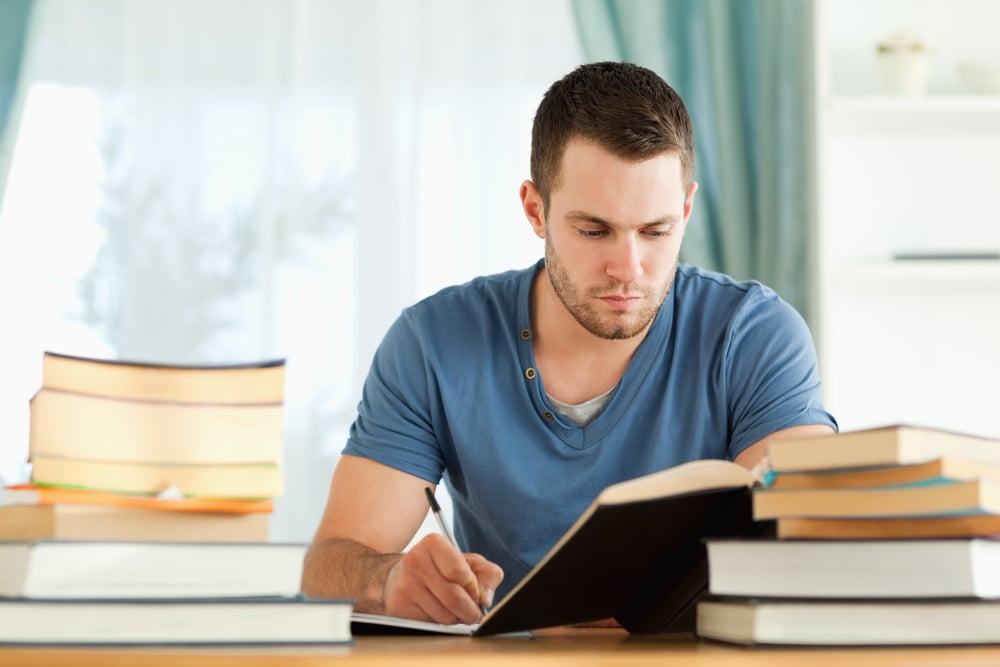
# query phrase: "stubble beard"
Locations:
[[581, 306]]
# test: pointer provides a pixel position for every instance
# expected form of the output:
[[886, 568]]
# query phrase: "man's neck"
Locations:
[[574, 364]]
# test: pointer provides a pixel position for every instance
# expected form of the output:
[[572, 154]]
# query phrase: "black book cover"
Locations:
[[641, 562]]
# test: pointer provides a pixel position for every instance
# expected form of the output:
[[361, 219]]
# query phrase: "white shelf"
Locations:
[[950, 115], [874, 272], [927, 104]]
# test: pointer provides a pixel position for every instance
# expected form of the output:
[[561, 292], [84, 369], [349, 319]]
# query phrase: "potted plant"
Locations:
[[903, 64]]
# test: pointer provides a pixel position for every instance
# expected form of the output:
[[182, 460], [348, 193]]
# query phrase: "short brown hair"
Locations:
[[624, 108]]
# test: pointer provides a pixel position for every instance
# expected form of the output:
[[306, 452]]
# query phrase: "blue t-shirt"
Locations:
[[452, 392]]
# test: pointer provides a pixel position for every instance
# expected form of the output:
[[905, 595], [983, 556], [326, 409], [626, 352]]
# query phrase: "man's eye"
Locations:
[[592, 233]]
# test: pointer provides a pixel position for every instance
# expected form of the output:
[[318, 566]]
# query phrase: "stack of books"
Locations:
[[883, 536], [77, 592], [124, 450], [145, 521]]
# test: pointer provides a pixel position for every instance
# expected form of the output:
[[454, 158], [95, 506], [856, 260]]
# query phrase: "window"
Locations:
[[233, 180]]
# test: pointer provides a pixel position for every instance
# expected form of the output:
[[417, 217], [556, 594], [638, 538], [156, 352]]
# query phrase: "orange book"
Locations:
[[30, 494]]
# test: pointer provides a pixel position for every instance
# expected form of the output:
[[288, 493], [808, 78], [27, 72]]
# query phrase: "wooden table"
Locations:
[[590, 648]]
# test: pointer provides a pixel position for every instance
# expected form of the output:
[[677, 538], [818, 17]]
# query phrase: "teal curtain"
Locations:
[[14, 16], [744, 68]]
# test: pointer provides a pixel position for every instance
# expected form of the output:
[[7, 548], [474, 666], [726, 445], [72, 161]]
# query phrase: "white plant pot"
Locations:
[[905, 73]]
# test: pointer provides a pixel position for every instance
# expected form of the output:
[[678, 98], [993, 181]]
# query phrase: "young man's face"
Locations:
[[612, 234]]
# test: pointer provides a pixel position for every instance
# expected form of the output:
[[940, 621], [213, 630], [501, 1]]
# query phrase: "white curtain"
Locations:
[[228, 180]]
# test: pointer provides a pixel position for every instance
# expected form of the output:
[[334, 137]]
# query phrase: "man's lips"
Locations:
[[620, 302]]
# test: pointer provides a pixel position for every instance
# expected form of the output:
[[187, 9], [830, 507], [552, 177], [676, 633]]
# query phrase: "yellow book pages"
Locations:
[[261, 382], [77, 426], [218, 481]]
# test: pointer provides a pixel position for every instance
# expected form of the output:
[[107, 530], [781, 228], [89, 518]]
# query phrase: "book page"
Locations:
[[685, 478]]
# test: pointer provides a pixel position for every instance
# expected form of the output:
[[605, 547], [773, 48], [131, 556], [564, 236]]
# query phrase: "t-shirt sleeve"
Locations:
[[771, 371], [395, 424]]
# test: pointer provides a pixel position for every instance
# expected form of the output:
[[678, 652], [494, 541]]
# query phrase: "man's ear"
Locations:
[[534, 210], [689, 200]]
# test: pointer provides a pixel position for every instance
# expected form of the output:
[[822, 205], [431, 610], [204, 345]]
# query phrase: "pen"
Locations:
[[436, 511]]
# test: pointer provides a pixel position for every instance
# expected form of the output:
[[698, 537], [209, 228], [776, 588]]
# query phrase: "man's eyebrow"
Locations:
[[583, 216]]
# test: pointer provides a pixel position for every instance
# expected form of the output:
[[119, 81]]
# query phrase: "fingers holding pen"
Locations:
[[488, 576], [454, 568], [434, 581], [485, 577]]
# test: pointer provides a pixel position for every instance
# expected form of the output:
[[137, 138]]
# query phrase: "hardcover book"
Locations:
[[884, 446], [258, 382], [78, 426], [971, 525], [635, 554], [863, 569], [149, 569], [845, 623], [976, 496], [75, 522], [234, 480], [292, 620], [936, 471]]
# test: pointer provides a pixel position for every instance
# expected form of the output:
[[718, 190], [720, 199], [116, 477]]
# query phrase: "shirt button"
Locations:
[[529, 373], [525, 334], [548, 416]]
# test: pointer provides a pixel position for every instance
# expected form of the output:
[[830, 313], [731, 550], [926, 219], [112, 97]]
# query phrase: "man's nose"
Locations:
[[625, 265]]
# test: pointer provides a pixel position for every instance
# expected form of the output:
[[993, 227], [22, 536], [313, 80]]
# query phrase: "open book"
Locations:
[[635, 554]]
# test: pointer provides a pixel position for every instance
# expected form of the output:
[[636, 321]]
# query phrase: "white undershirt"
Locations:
[[582, 414]]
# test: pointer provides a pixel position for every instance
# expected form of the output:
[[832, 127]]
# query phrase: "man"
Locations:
[[530, 391]]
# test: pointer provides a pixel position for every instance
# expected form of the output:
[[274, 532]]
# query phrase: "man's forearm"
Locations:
[[347, 569]]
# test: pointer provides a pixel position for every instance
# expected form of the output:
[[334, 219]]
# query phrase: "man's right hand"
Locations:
[[371, 515], [434, 581]]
